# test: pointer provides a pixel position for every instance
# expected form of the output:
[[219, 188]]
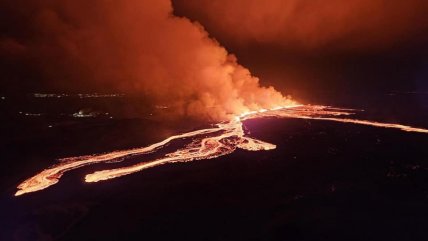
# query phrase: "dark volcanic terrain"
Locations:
[[325, 181]]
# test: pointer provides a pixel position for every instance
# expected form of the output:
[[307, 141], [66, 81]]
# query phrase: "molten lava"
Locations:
[[209, 143]]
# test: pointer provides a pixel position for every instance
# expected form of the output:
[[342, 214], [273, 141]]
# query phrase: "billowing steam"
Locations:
[[134, 46], [313, 24]]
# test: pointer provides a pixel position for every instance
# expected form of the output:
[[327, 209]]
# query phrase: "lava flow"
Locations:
[[208, 143]]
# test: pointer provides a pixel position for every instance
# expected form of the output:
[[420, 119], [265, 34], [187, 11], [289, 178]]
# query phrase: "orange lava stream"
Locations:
[[51, 176], [207, 148], [308, 113], [208, 143]]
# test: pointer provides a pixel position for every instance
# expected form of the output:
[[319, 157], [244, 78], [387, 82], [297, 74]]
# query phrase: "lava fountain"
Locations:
[[208, 143]]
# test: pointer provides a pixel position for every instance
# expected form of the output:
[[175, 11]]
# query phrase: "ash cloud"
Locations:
[[136, 46], [333, 25], [310, 46]]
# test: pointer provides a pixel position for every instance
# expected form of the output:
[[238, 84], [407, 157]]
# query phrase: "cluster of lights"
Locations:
[[63, 95], [30, 114]]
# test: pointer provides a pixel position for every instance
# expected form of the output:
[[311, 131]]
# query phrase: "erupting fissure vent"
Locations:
[[223, 139]]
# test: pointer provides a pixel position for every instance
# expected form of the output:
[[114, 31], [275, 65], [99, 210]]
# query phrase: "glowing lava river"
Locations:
[[208, 143]]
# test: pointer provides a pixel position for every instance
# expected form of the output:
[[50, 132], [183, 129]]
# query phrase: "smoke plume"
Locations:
[[352, 25], [136, 46]]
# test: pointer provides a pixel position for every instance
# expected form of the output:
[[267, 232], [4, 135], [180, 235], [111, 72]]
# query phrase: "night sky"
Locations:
[[307, 46], [297, 46]]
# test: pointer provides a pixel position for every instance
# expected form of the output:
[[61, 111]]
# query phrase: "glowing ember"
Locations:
[[207, 143]]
